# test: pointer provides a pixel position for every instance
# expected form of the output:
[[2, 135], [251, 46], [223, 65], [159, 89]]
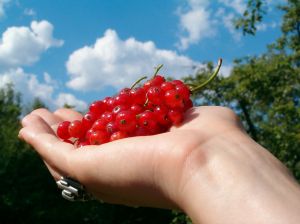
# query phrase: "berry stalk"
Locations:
[[137, 82], [157, 70], [197, 88]]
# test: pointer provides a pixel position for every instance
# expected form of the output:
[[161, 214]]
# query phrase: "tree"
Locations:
[[265, 90]]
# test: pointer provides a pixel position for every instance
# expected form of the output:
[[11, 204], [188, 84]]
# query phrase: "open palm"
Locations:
[[147, 171]]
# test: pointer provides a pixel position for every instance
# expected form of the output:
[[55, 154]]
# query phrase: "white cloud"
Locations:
[[239, 6], [195, 23], [114, 62], [27, 84], [3, 4], [29, 12], [225, 70], [30, 87], [69, 99], [23, 45], [227, 20], [266, 26]]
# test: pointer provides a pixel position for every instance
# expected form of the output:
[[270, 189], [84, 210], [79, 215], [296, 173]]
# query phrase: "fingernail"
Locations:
[[20, 135]]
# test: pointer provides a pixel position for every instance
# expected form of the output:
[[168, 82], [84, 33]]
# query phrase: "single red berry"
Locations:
[[99, 137], [100, 124], [184, 91], [157, 80], [173, 99], [138, 96], [63, 130], [97, 107], [88, 120], [166, 86], [147, 120], [110, 103], [177, 82], [136, 109], [118, 135], [161, 114], [155, 94], [124, 97], [176, 116], [76, 129], [147, 85], [126, 121]]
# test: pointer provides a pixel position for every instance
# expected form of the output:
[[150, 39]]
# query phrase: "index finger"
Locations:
[[40, 135]]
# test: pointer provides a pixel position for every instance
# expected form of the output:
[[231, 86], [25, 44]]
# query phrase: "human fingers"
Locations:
[[46, 115], [41, 136], [68, 114], [50, 119]]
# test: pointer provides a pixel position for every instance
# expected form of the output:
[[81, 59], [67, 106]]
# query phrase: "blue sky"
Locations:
[[77, 51]]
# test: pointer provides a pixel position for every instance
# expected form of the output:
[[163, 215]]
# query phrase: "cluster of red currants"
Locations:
[[137, 111]]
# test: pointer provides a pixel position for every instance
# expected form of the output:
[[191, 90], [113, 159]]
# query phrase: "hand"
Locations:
[[208, 167]]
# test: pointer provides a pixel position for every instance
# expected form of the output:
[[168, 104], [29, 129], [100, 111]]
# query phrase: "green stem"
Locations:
[[137, 82], [157, 70], [197, 88]]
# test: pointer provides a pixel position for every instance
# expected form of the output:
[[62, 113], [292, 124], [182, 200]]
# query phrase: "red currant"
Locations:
[[76, 129], [126, 121], [63, 130], [99, 137]]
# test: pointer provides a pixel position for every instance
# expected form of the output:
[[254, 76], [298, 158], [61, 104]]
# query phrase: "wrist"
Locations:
[[232, 179]]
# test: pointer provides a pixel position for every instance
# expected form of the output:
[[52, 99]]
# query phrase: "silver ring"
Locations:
[[72, 190]]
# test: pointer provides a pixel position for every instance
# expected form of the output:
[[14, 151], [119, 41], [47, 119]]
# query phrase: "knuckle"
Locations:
[[39, 111]]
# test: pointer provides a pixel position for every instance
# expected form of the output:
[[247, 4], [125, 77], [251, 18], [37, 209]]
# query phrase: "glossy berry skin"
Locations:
[[88, 120], [126, 121], [176, 117], [63, 130], [97, 107], [157, 80], [138, 96], [166, 86], [76, 129], [177, 82], [136, 109], [173, 99], [161, 114], [99, 124], [118, 135], [147, 120], [110, 103], [98, 137], [155, 94], [124, 97], [118, 109], [183, 91], [107, 116]]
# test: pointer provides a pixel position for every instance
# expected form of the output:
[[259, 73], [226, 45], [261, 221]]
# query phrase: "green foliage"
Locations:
[[252, 15], [264, 91]]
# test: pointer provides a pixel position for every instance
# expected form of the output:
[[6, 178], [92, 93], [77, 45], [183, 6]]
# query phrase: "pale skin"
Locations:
[[208, 167]]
